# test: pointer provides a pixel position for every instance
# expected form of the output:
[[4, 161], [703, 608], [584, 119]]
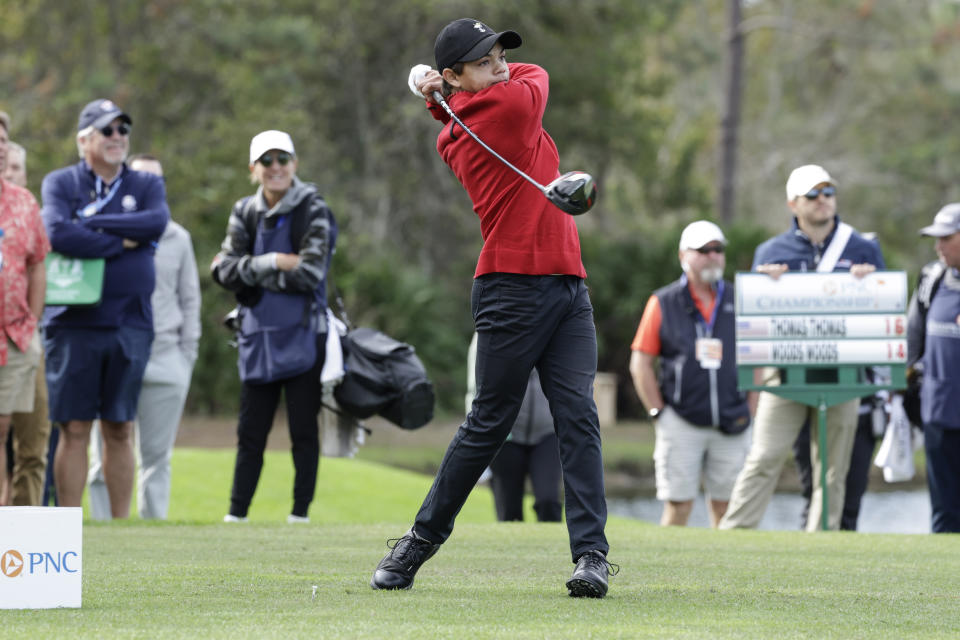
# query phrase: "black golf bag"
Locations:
[[384, 376]]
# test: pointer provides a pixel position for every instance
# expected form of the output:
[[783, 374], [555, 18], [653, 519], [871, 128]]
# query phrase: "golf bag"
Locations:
[[384, 376]]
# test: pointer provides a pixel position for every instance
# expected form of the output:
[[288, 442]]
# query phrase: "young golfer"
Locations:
[[529, 302]]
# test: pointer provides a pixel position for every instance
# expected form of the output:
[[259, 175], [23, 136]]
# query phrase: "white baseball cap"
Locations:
[[803, 179], [270, 139], [699, 234], [946, 223]]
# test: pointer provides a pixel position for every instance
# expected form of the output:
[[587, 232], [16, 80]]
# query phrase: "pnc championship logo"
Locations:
[[11, 563], [42, 563]]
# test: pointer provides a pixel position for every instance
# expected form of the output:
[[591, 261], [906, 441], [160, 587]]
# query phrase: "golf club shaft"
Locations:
[[446, 107]]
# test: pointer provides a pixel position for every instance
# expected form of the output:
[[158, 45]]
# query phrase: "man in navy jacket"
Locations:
[[816, 241], [96, 355]]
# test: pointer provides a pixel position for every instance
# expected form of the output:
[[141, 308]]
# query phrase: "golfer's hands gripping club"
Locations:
[[424, 81]]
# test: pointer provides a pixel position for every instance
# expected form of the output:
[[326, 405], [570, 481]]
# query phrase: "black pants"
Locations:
[[258, 405], [49, 486], [510, 469], [942, 447], [522, 322], [858, 475]]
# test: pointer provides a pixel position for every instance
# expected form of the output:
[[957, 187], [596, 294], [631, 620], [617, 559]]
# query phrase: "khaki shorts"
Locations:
[[18, 377], [684, 453]]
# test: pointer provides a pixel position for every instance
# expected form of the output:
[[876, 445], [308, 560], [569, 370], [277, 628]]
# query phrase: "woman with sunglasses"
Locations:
[[275, 259]]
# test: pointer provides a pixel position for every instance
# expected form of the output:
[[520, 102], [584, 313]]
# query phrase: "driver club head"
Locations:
[[574, 192]]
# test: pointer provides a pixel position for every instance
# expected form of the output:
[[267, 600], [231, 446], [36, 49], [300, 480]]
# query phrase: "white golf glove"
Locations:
[[417, 72]]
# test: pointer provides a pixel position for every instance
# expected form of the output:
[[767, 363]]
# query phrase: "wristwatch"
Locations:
[[653, 413]]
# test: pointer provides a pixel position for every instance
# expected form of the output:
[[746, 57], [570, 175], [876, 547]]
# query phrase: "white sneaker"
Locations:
[[232, 518], [292, 519]]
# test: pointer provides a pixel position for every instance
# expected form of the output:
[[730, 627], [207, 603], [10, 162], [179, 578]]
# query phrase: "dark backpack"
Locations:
[[384, 376], [929, 281]]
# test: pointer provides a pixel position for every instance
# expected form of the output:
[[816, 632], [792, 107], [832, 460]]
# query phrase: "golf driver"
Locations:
[[574, 192]]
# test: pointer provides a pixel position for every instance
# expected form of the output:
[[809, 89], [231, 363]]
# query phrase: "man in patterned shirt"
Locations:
[[23, 284]]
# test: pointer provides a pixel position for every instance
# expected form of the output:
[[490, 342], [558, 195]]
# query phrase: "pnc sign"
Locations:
[[41, 557], [12, 562]]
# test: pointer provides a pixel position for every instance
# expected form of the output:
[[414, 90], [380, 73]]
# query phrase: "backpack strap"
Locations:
[[930, 278], [299, 220], [250, 225], [299, 223], [832, 253]]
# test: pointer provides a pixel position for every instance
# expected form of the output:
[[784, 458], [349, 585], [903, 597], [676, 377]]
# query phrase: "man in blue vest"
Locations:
[[96, 355], [701, 417], [816, 241], [935, 315]]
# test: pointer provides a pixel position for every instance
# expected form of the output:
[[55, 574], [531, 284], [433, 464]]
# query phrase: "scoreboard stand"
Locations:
[[821, 331]]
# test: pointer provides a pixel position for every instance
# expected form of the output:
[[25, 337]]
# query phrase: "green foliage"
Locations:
[[863, 88], [201, 77]]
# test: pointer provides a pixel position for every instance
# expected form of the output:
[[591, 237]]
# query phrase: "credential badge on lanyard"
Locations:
[[709, 350], [97, 205]]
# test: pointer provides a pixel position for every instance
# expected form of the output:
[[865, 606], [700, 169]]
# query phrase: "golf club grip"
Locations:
[[446, 107]]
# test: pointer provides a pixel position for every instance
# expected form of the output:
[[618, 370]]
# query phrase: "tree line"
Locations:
[[637, 97]]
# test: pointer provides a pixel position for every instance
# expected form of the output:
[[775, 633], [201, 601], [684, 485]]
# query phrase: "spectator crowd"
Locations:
[[91, 395]]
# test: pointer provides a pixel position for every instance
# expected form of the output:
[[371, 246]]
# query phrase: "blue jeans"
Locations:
[[523, 322]]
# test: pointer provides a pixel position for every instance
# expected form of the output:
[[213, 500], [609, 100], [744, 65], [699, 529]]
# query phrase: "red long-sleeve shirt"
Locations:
[[522, 231]]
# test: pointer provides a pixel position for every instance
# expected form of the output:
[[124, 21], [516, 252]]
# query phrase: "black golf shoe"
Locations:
[[590, 577], [407, 554]]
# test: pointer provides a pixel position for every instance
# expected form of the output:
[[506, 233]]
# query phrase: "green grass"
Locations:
[[196, 578], [348, 491]]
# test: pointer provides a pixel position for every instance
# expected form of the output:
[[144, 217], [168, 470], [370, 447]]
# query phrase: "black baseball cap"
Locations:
[[466, 39], [100, 113]]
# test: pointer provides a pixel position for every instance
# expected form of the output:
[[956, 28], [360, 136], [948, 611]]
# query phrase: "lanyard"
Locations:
[[716, 306], [708, 323], [97, 205]]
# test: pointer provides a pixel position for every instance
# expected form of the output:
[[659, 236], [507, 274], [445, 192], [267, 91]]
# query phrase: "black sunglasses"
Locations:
[[714, 249], [828, 192], [122, 129], [283, 158]]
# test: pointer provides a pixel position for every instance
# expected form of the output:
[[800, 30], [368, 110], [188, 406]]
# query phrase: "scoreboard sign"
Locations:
[[821, 319]]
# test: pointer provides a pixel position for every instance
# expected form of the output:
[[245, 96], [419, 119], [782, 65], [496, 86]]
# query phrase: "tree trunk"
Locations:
[[731, 117]]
